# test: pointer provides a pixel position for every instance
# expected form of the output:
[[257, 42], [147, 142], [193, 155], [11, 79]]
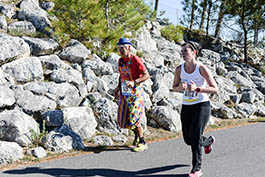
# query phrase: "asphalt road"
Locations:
[[238, 152]]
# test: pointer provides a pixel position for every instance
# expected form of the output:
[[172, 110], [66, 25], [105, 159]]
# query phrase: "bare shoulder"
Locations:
[[178, 68], [205, 72], [203, 68]]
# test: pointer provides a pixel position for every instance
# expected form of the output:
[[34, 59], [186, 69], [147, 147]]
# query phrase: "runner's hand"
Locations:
[[130, 84], [192, 86], [184, 86]]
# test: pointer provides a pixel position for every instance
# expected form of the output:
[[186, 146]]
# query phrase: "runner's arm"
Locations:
[[209, 79]]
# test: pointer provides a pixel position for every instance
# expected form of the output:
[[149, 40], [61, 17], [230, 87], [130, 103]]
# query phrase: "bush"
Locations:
[[173, 33]]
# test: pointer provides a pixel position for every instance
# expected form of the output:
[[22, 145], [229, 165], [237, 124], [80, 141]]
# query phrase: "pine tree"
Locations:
[[203, 4], [257, 22], [78, 19], [156, 7], [220, 19], [106, 20], [245, 10]]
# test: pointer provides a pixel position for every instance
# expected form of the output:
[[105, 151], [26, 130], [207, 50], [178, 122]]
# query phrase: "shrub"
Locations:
[[173, 33], [37, 137]]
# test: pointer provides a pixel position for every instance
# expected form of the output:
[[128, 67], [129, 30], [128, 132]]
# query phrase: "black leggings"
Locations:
[[194, 119]]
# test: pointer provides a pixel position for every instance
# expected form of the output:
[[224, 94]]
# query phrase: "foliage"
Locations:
[[173, 33], [247, 11], [106, 20], [37, 137], [140, 54], [77, 19]]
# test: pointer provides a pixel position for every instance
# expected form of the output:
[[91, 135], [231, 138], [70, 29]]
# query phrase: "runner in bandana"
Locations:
[[196, 82]]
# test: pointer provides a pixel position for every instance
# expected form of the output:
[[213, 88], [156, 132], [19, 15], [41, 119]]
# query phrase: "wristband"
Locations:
[[198, 89]]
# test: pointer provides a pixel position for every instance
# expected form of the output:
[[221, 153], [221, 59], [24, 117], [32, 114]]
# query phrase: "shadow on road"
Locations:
[[63, 172], [99, 149], [256, 121]]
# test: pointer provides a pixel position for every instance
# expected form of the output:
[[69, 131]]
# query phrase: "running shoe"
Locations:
[[196, 174], [209, 148], [141, 147]]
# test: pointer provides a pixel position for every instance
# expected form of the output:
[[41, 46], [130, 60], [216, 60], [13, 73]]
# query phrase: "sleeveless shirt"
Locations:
[[192, 97]]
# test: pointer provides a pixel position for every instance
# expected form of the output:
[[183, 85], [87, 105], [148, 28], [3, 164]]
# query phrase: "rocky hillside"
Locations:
[[57, 98]]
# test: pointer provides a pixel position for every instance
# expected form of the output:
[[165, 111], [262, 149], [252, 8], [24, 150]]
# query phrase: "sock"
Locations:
[[141, 140], [135, 133]]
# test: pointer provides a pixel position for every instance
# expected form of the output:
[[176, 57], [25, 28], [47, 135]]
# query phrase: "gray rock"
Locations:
[[39, 152], [260, 109], [7, 10], [7, 96], [113, 59], [71, 76], [81, 120], [3, 23], [21, 28], [24, 69], [106, 116], [12, 48], [63, 139], [166, 118], [120, 139], [53, 118], [10, 152], [239, 79], [98, 66], [34, 104], [41, 46], [103, 140], [47, 5], [16, 126], [75, 52], [6, 79], [246, 110], [222, 111], [53, 62], [31, 11], [64, 94]]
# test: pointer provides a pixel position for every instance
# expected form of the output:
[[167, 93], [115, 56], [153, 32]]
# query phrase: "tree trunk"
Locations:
[[204, 7], [256, 36], [220, 19], [245, 31], [107, 13], [208, 16], [156, 7], [245, 44], [192, 13]]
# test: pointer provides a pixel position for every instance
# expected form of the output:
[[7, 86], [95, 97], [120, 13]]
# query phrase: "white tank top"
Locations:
[[192, 97]]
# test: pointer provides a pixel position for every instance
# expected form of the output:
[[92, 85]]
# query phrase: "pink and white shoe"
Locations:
[[196, 174]]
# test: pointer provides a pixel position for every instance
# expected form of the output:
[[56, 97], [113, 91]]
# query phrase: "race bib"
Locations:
[[191, 96], [125, 91]]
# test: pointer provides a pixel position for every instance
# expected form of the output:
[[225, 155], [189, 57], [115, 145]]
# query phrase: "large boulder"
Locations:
[[10, 152], [24, 69], [16, 126], [12, 48]]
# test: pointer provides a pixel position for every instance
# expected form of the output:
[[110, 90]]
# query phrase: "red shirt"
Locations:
[[136, 66]]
